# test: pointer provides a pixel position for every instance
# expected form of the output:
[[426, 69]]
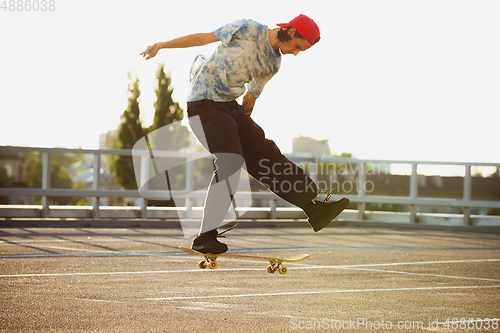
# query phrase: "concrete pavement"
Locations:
[[356, 279]]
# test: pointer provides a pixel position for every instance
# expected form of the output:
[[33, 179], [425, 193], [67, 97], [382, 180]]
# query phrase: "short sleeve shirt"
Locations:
[[245, 58]]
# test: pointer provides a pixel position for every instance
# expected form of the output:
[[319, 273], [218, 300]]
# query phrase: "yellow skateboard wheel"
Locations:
[[212, 264], [203, 264], [271, 269], [283, 270]]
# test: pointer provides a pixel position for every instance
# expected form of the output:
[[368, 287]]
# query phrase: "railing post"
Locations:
[[45, 183], [144, 180], [272, 206], [467, 193], [413, 192], [361, 190], [96, 185]]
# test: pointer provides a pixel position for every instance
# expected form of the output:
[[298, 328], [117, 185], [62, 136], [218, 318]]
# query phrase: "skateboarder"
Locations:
[[248, 56]]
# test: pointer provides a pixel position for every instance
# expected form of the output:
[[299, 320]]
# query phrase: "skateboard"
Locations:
[[274, 263]]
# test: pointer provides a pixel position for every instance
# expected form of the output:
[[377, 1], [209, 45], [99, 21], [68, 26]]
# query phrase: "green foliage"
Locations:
[[78, 201], [5, 179], [112, 143], [494, 211], [32, 169], [168, 112], [31, 173], [129, 132], [130, 129]]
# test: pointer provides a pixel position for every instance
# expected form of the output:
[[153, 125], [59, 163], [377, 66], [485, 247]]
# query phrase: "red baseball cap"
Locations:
[[305, 26]]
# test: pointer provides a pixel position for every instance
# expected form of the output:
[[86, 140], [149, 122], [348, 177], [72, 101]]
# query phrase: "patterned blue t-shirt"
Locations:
[[245, 57]]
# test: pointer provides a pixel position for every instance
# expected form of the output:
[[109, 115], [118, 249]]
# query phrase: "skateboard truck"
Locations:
[[210, 260], [275, 265]]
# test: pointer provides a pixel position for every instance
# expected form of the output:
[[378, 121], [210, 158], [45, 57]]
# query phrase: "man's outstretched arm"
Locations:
[[198, 39], [248, 103]]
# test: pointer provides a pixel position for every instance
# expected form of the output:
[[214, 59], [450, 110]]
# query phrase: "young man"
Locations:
[[247, 58]]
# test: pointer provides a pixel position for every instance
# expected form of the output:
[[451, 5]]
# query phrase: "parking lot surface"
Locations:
[[356, 279]]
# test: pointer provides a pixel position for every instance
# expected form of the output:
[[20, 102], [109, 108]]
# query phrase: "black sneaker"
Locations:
[[321, 213], [207, 243]]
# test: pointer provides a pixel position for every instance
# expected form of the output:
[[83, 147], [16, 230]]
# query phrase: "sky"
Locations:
[[398, 80]]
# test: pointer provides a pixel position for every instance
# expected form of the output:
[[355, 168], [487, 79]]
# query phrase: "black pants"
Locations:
[[227, 129]]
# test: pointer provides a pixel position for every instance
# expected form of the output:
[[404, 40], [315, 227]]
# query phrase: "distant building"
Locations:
[[310, 147], [106, 139]]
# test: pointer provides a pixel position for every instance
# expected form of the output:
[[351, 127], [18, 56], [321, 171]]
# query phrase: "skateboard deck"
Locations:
[[275, 264]]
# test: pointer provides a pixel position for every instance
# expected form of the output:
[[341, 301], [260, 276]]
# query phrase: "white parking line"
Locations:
[[422, 263], [297, 266], [74, 249], [127, 273], [183, 298], [424, 274], [27, 241]]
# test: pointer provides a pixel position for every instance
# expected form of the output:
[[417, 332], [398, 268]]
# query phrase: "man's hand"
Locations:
[[248, 103], [150, 52]]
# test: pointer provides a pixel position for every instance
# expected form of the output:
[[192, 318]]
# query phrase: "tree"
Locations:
[[59, 176], [171, 138], [168, 112], [5, 179], [129, 132]]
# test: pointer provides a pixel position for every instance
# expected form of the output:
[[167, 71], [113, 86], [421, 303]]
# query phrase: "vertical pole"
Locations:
[[361, 190], [467, 193], [272, 206], [96, 185], [413, 192], [45, 183], [144, 180]]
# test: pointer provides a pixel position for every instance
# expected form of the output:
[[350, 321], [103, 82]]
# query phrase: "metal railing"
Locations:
[[361, 198]]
